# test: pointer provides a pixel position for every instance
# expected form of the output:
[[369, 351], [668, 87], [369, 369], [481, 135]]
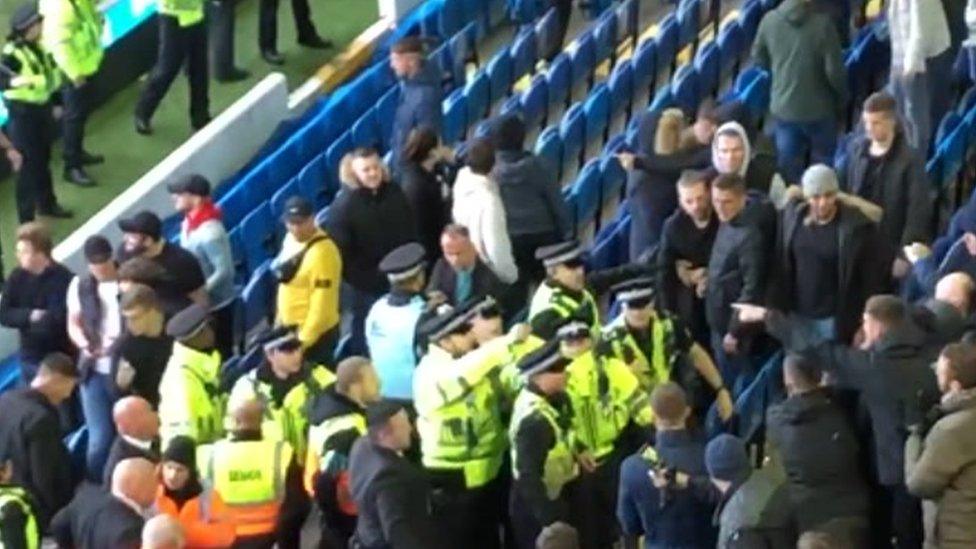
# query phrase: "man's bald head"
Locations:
[[135, 417], [163, 532], [135, 479], [247, 415], [956, 289]]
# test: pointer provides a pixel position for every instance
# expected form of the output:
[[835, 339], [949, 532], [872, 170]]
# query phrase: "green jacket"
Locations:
[[72, 33], [801, 49]]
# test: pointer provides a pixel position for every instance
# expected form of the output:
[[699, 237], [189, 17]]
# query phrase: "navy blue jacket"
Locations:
[[419, 105], [685, 522]]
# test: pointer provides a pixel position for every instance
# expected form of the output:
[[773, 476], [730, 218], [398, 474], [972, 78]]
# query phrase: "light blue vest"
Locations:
[[390, 337]]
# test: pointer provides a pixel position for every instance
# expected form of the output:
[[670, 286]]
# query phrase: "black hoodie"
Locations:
[[330, 405]]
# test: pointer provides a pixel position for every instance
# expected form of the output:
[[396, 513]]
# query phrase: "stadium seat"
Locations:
[[548, 146], [584, 59], [385, 113], [667, 37], [616, 144], [258, 182], [688, 24], [455, 117], [644, 64], [547, 33], [366, 132], [451, 17], [260, 237], [572, 129], [314, 185], [749, 15], [441, 58], [477, 96], [587, 193], [756, 96], [524, 11], [708, 65], [524, 54], [461, 53], [322, 218], [282, 195], [730, 45], [947, 125], [967, 102], [597, 111], [606, 253], [511, 106], [483, 129], [497, 12], [613, 179], [663, 100], [628, 20], [239, 255], [559, 77], [535, 102], [333, 157], [287, 160], [605, 37], [621, 90], [259, 298], [686, 90], [499, 71], [234, 205], [429, 17]]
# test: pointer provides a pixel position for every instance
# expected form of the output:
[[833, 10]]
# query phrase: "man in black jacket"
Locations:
[[392, 494], [30, 434], [96, 518], [137, 425], [882, 168], [891, 372], [736, 272], [34, 301], [820, 453], [825, 258], [460, 274]]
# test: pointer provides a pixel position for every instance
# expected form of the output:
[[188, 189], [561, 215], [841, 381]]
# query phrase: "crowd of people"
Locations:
[[443, 369]]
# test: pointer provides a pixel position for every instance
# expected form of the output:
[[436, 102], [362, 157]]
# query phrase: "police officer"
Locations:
[[18, 523], [191, 403], [268, 29], [544, 453], [182, 38], [72, 33], [658, 348], [222, 42], [563, 294], [608, 404], [258, 479], [30, 78], [285, 383], [391, 325], [337, 418]]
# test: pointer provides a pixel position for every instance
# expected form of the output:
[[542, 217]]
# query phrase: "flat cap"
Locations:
[[297, 208], [635, 289], [24, 16], [97, 249], [558, 254], [187, 323], [403, 262], [193, 183], [447, 321], [378, 413], [544, 359], [144, 222], [279, 338]]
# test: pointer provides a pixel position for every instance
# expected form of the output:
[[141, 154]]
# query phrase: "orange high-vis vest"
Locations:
[[205, 520]]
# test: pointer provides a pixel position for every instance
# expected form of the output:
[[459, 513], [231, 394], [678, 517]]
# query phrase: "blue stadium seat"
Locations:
[[685, 88], [756, 96], [547, 35], [461, 53], [441, 59], [370, 87], [560, 80], [260, 237], [607, 252], [455, 117], [333, 157], [322, 218], [967, 102], [708, 65], [947, 125], [511, 106], [688, 24], [524, 54], [749, 16], [605, 36], [746, 78], [499, 72], [663, 100], [239, 254], [572, 129], [282, 195], [597, 111], [497, 11], [483, 129], [613, 179], [587, 192], [452, 17], [259, 297], [730, 45], [667, 37], [429, 16], [548, 146], [234, 205], [258, 182], [535, 102], [315, 136], [593, 8], [366, 132], [584, 59], [628, 20], [616, 144], [287, 160], [385, 113], [314, 185], [644, 63], [477, 96], [621, 84], [524, 11]]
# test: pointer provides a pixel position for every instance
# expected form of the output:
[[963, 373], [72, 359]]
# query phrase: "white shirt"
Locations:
[[478, 206], [111, 328]]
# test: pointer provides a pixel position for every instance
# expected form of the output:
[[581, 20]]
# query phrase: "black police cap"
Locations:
[[187, 323], [278, 337], [403, 262], [557, 254], [544, 359], [635, 289], [447, 320]]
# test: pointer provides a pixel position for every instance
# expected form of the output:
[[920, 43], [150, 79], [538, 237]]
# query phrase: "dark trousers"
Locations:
[[897, 518], [76, 105], [594, 505], [354, 323], [268, 23], [796, 140], [531, 272], [221, 26], [323, 351], [179, 46], [32, 132], [223, 324], [469, 517], [525, 526]]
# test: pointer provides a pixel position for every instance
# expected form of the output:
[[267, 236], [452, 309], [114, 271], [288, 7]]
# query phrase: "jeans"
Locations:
[[97, 398], [354, 323], [795, 140], [732, 367]]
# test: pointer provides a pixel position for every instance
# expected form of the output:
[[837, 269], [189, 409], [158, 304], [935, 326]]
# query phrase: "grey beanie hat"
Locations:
[[819, 179]]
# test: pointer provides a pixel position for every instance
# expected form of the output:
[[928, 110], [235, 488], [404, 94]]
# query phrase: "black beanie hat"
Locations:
[[182, 449], [508, 133]]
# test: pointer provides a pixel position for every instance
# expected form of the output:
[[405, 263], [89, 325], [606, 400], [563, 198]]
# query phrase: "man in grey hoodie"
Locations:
[[800, 48]]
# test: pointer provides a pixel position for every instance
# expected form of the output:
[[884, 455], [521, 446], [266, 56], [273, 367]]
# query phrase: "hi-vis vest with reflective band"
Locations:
[[249, 475], [325, 461], [37, 68], [18, 496], [72, 33], [605, 396], [191, 402], [186, 12], [289, 422], [549, 297], [560, 466], [657, 370], [460, 415]]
